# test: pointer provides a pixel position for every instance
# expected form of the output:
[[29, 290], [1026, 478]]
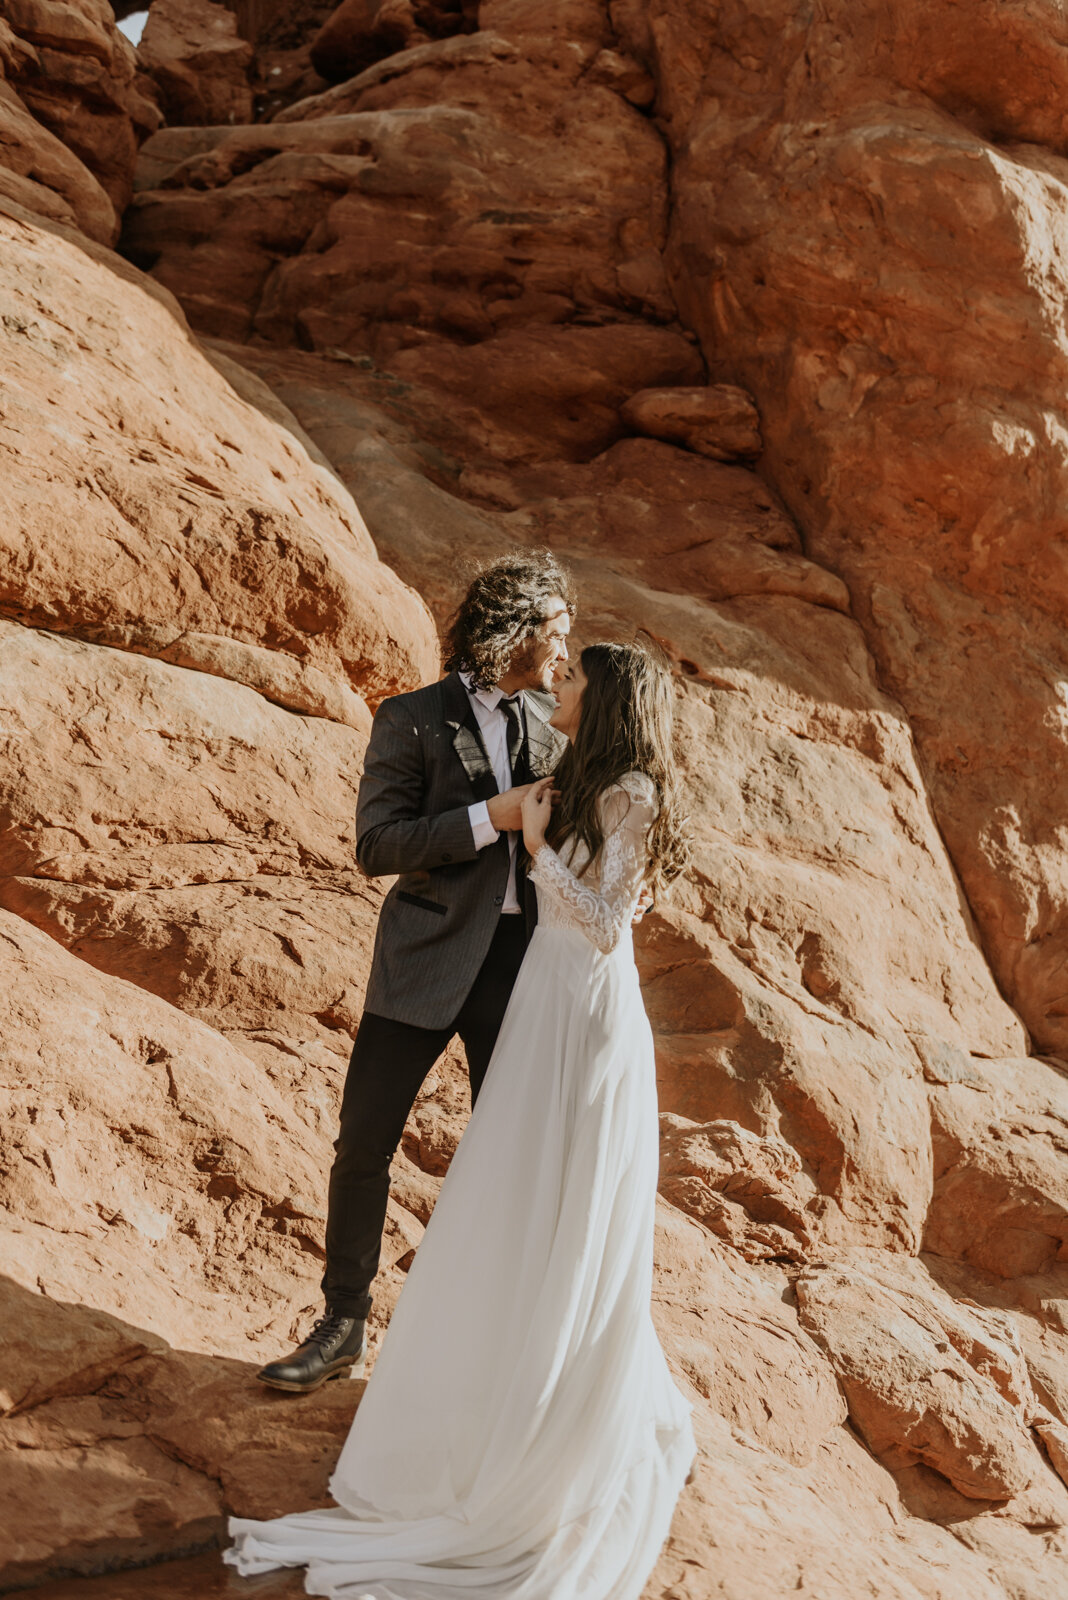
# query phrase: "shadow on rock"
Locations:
[[117, 1451]]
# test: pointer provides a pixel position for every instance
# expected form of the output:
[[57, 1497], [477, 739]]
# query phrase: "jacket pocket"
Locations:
[[417, 900]]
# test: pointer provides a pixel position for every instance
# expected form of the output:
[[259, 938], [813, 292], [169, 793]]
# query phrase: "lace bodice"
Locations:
[[601, 903]]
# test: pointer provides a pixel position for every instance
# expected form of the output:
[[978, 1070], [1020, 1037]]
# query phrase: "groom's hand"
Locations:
[[506, 810], [645, 901]]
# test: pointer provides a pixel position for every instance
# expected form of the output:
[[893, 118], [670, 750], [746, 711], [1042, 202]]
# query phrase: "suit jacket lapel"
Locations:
[[544, 745], [467, 738]]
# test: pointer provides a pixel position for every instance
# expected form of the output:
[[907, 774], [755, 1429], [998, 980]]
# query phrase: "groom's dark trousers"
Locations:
[[445, 956], [390, 1062]]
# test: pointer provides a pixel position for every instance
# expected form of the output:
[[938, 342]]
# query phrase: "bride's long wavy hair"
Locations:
[[625, 725]]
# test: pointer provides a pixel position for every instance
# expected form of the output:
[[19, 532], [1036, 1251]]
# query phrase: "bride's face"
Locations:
[[568, 688]]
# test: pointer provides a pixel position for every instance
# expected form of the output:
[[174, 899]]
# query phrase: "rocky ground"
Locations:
[[754, 313]]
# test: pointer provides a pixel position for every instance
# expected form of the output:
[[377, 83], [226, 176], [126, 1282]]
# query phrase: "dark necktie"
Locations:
[[510, 705], [519, 761]]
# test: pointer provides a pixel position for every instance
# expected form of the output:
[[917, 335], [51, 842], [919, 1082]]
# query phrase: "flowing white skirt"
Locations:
[[520, 1436]]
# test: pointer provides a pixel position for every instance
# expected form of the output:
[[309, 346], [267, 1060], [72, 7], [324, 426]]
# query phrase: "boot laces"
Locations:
[[328, 1328]]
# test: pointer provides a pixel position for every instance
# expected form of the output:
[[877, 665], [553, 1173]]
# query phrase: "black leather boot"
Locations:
[[334, 1346]]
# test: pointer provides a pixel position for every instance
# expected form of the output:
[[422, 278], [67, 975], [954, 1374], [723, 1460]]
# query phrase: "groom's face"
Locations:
[[536, 660]]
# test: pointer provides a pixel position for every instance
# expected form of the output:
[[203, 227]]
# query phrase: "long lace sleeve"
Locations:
[[603, 914]]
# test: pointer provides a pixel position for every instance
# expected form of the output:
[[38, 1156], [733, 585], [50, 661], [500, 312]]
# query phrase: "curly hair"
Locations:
[[502, 609], [625, 725]]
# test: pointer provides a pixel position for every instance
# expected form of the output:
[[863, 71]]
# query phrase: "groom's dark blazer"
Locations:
[[425, 765]]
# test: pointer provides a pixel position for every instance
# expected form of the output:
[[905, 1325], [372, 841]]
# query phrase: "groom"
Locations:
[[439, 804]]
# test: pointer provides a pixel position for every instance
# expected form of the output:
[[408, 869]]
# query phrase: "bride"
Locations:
[[520, 1437]]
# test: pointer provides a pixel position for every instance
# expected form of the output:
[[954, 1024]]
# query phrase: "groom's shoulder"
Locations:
[[429, 702]]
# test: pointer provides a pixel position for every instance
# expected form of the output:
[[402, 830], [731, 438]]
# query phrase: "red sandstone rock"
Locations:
[[361, 32], [872, 196], [720, 421], [1000, 1199], [837, 1067], [200, 1577], [94, 1496], [923, 1378], [189, 1178], [126, 1124], [80, 81], [747, 1189], [280, 32], [779, 1488], [148, 1449], [545, 391], [430, 232], [198, 518], [51, 1352], [418, 72], [1054, 1436], [616, 70], [37, 170], [175, 829], [733, 1340], [671, 522], [200, 65]]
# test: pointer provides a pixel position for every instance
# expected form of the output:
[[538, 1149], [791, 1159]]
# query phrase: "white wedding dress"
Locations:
[[521, 1437]]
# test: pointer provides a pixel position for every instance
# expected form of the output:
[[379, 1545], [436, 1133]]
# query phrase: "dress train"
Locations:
[[521, 1437]]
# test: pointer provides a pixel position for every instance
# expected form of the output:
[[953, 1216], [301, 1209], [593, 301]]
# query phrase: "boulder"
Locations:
[[37, 171], [200, 65], [154, 509], [1000, 1198], [720, 421], [361, 32], [439, 204], [925, 1378], [79, 78]]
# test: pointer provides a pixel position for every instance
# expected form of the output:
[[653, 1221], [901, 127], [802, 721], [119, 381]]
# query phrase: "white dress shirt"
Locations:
[[486, 704]]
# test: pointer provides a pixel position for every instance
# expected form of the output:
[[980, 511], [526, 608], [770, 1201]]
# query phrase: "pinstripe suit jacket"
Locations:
[[425, 765]]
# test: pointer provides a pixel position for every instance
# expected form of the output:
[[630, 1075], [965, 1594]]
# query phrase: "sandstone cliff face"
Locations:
[[555, 275], [884, 271]]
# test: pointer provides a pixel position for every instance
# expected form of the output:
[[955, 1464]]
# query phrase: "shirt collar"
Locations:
[[490, 698]]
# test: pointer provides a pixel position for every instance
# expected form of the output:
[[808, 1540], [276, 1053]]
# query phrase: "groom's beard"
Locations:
[[527, 664]]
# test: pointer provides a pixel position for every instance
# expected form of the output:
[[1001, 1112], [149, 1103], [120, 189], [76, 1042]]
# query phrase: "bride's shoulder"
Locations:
[[638, 787]]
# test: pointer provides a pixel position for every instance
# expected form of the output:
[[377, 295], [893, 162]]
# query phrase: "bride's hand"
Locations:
[[537, 807]]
